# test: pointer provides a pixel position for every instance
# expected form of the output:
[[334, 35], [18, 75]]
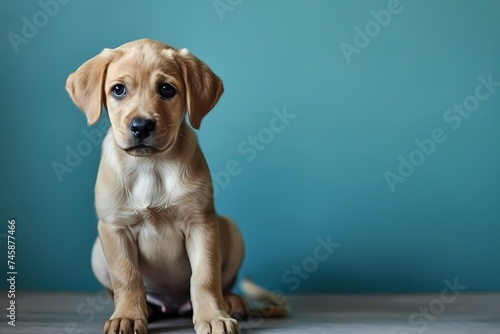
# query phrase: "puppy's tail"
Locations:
[[266, 303]]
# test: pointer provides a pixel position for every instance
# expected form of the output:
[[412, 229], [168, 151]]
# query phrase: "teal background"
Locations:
[[322, 175]]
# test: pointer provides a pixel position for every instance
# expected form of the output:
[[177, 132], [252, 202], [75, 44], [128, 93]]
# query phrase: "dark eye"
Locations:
[[119, 91], [166, 90]]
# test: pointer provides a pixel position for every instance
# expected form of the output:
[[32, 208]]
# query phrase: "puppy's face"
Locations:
[[147, 87], [146, 99]]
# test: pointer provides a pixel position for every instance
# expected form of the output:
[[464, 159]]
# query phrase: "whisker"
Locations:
[[185, 137]]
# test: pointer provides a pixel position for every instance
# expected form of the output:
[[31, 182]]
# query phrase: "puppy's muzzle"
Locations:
[[142, 139]]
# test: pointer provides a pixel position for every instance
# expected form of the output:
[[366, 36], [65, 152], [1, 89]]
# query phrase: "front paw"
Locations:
[[126, 326], [220, 324]]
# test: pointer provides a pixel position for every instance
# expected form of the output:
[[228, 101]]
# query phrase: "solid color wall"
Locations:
[[356, 143]]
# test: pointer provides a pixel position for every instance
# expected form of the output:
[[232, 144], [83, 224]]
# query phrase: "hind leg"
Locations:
[[236, 306], [100, 267], [232, 251]]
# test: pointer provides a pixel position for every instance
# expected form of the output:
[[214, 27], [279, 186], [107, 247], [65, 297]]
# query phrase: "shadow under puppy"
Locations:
[[161, 244]]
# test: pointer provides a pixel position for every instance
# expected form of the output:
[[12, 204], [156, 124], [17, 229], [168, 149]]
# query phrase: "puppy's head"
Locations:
[[147, 87]]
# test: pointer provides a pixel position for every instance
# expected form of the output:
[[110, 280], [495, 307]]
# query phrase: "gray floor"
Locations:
[[49, 313]]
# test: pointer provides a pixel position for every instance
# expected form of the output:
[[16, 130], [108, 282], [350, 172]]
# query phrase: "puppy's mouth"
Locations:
[[145, 150], [141, 150]]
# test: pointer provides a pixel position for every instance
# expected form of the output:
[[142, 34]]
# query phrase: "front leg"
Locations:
[[203, 249], [120, 251]]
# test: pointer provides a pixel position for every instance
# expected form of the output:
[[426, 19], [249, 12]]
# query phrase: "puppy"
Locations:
[[161, 244]]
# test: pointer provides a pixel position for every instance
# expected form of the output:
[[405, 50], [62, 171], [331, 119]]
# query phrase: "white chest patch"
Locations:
[[156, 186]]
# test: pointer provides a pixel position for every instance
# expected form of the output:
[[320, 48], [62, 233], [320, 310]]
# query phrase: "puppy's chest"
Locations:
[[154, 189]]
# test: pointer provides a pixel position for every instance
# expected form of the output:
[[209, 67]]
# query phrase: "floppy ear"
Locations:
[[203, 87], [86, 85]]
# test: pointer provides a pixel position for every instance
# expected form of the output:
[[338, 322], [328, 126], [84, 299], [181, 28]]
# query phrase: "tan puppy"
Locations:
[[160, 240]]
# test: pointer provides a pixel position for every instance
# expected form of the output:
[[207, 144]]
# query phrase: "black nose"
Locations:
[[141, 128]]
